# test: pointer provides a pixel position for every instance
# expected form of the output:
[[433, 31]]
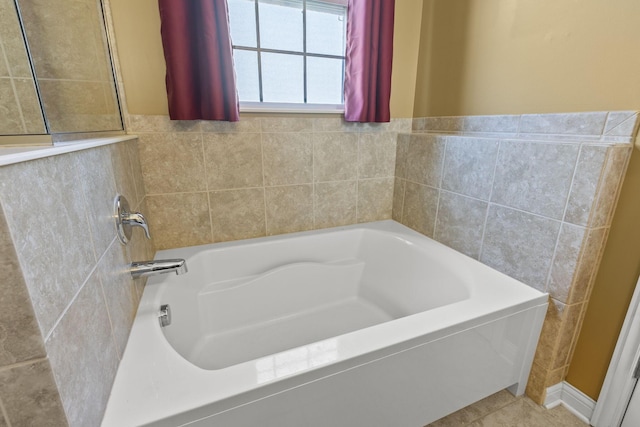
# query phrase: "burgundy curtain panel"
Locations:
[[367, 81], [201, 83]]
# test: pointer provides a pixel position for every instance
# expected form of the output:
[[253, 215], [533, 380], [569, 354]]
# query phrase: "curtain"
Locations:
[[200, 78], [367, 83]]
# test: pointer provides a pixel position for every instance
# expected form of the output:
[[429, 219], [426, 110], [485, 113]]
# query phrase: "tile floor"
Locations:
[[504, 410]]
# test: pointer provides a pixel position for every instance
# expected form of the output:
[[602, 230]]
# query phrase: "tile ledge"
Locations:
[[11, 155]]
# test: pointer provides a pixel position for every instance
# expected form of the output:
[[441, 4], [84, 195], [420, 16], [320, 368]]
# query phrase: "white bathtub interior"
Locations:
[[372, 324], [232, 310]]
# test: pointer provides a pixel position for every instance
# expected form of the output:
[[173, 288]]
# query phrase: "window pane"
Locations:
[[326, 29], [281, 25], [324, 80], [242, 20], [246, 64], [282, 78]]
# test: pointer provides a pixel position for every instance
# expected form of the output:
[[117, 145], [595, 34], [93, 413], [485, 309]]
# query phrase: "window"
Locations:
[[289, 53]]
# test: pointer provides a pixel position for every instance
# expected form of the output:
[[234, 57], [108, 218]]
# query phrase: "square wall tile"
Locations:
[[237, 214], [377, 155], [335, 203], [469, 166], [420, 208], [609, 186], [586, 269], [460, 223], [288, 158], [375, 199], [180, 154], [246, 124], [179, 220], [289, 208], [83, 356], [402, 153], [233, 160], [121, 160], [534, 177], [335, 156], [30, 395], [286, 124], [425, 159], [591, 123], [520, 245], [160, 123]]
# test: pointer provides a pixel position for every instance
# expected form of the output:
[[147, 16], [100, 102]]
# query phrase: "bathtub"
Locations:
[[365, 325]]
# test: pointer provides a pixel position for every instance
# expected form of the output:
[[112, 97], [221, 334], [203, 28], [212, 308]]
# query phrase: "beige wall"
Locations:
[[137, 29], [528, 56], [543, 56]]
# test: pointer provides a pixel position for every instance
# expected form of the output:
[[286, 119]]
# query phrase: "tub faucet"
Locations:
[[155, 267]]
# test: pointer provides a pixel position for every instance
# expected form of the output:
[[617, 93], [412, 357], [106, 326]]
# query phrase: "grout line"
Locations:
[[486, 216], [206, 186], [264, 187], [23, 363], [444, 160], [4, 413]]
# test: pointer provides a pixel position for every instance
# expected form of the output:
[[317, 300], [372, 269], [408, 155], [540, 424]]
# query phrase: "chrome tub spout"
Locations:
[[161, 266]]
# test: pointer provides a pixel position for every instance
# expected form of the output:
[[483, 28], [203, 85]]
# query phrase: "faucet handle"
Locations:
[[136, 219], [125, 220]]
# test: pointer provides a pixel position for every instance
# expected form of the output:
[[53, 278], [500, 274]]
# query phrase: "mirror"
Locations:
[[69, 56], [20, 111]]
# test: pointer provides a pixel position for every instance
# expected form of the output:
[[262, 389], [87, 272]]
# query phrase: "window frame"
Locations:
[[281, 107]]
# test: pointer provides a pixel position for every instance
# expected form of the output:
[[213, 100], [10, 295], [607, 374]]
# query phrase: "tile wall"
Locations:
[[531, 196], [67, 301], [212, 181], [19, 107]]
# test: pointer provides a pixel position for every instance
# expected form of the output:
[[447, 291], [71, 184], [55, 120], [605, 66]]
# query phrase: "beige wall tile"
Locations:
[[289, 208], [585, 182], [469, 166], [233, 160], [121, 159], [246, 124], [536, 389], [569, 325], [99, 188], [420, 208], [335, 203], [334, 124], [587, 268], [609, 187], [30, 396], [425, 159], [120, 293], [172, 163], [549, 336], [519, 244], [460, 223], [162, 124], [534, 177], [565, 261], [286, 124], [335, 156], [178, 220], [402, 153], [377, 155], [20, 339], [288, 158], [399, 186], [237, 214], [46, 212], [566, 123], [83, 356], [375, 199]]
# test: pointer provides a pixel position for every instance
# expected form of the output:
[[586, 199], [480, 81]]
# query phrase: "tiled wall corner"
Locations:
[[80, 293], [531, 195], [263, 175]]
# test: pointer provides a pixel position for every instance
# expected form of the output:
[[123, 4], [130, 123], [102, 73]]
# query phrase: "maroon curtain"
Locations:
[[201, 83], [367, 82]]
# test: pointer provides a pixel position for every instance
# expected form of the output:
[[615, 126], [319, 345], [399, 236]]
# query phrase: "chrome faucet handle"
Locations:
[[125, 220], [136, 219]]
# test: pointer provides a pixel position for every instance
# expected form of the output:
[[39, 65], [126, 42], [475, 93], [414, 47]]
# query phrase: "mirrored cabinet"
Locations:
[[56, 75]]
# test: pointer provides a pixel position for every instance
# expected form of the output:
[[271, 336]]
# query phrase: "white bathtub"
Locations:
[[367, 325]]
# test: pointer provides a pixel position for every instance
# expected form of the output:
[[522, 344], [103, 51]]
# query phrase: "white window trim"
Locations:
[[281, 107]]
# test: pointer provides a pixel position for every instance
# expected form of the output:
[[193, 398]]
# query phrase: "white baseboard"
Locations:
[[576, 402]]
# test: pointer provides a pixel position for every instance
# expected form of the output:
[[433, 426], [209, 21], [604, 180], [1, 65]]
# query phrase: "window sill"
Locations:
[[277, 107]]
